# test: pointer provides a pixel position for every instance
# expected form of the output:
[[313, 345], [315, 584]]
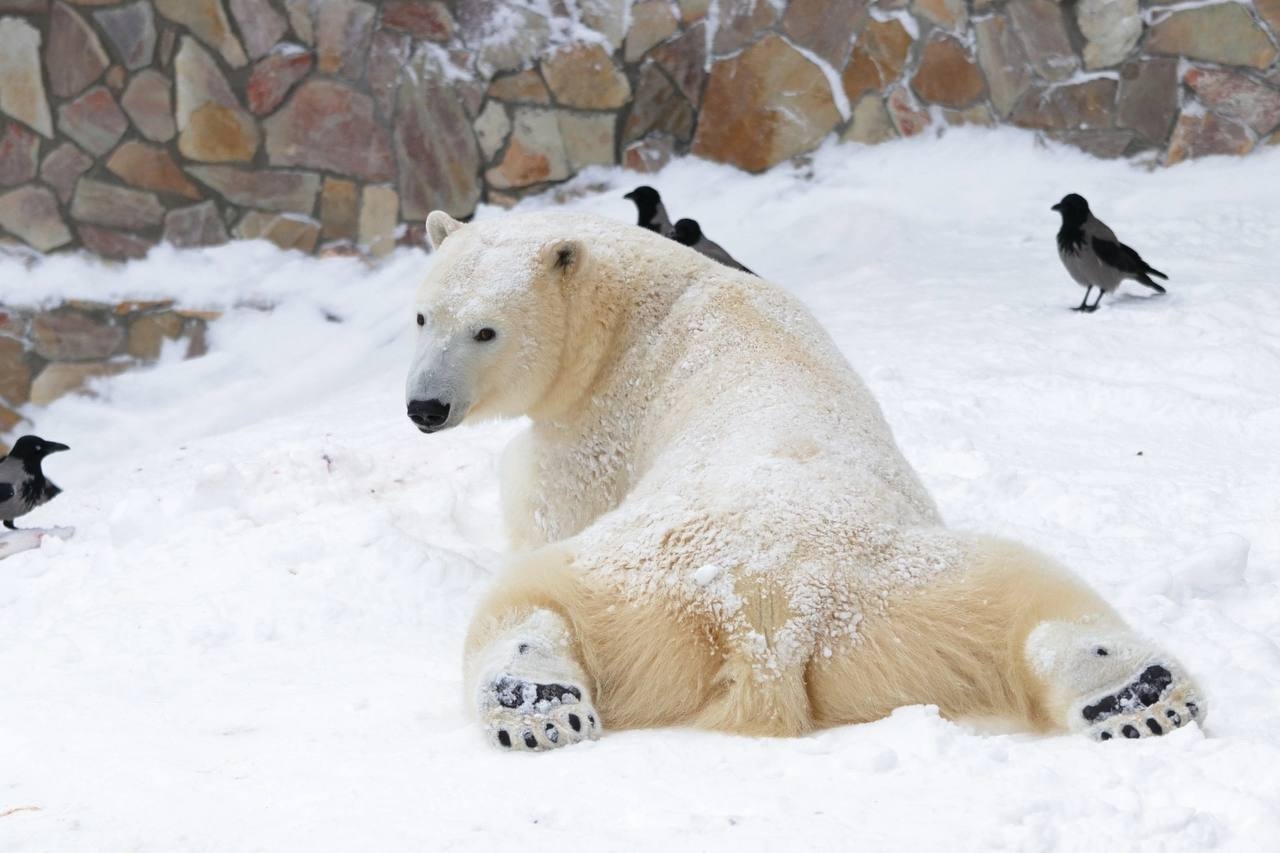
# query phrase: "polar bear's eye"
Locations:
[[485, 334], [422, 321]]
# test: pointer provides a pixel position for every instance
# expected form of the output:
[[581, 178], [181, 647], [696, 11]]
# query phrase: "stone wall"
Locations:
[[45, 354], [341, 123]]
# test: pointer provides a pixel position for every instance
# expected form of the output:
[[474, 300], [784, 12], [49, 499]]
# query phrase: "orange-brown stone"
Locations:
[[764, 105], [947, 75], [151, 168], [878, 58]]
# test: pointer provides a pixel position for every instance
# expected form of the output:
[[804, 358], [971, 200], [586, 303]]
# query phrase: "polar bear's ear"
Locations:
[[564, 255], [439, 226]]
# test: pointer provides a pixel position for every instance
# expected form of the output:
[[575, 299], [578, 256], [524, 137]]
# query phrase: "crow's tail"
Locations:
[[1153, 271], [1145, 279]]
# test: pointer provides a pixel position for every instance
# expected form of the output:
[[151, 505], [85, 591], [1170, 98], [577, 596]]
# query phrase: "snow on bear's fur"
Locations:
[[713, 524]]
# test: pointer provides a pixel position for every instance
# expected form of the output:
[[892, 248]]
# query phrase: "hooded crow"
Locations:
[[1093, 256], [689, 233], [23, 486], [650, 212]]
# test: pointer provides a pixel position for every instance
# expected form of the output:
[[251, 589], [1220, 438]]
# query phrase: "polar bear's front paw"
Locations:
[[1155, 703], [523, 714]]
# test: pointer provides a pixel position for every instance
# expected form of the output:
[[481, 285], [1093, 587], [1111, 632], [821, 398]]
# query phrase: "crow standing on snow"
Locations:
[[651, 213], [1092, 254], [689, 233], [23, 486]]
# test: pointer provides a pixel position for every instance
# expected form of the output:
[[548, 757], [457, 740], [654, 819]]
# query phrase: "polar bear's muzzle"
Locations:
[[429, 415]]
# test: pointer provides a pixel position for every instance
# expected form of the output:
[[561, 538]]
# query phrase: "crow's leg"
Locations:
[[9, 524], [1083, 306]]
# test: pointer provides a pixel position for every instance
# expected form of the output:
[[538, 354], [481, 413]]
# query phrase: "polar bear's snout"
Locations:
[[428, 415]]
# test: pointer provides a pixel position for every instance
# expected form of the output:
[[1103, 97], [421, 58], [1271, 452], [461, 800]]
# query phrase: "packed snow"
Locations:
[[253, 639]]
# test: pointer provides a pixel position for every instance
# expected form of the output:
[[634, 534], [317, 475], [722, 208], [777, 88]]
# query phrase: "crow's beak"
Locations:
[[630, 195], [54, 447], [1057, 206]]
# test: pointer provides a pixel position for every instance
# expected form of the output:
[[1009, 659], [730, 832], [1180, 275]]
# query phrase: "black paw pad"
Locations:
[[575, 723], [1129, 732], [1142, 693], [504, 738], [1193, 709], [530, 741], [1105, 736], [1154, 726], [553, 734], [1174, 717]]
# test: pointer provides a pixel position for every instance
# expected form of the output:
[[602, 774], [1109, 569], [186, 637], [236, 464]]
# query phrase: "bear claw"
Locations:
[[527, 715], [1153, 704]]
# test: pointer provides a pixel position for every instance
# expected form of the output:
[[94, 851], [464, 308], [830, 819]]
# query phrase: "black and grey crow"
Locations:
[[1093, 256], [23, 486], [650, 212], [689, 233]]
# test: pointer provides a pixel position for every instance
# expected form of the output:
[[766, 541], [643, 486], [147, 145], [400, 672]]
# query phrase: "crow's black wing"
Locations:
[[1118, 255], [6, 492]]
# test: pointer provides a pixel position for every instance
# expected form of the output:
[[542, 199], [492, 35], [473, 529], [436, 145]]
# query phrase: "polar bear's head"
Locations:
[[491, 321]]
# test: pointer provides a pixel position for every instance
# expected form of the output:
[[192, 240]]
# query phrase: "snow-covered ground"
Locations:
[[252, 642]]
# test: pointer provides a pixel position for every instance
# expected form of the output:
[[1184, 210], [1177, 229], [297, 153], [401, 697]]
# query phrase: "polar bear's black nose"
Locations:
[[428, 414]]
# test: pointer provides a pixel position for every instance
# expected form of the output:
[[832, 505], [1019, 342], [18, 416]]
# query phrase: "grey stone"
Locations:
[[651, 24], [274, 189], [1003, 61], [1148, 99], [131, 30], [31, 214], [19, 154], [114, 244], [73, 57], [93, 120], [379, 216], [100, 203], [63, 167], [59, 379], [208, 21], [606, 17], [67, 334], [1078, 106], [22, 93], [194, 226], [1044, 35], [589, 138], [343, 32], [658, 106], [685, 61], [1111, 28], [505, 37], [741, 22], [439, 160], [821, 26], [535, 154], [1226, 33], [286, 230], [148, 100], [260, 25], [1107, 144], [331, 126], [492, 127], [871, 124], [213, 127]]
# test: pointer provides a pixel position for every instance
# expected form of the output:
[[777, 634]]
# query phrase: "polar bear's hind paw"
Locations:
[[527, 715], [1153, 704]]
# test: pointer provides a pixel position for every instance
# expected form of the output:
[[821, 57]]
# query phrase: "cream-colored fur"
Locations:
[[715, 526]]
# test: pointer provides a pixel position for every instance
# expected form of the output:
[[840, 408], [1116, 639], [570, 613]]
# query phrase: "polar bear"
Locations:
[[713, 524]]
